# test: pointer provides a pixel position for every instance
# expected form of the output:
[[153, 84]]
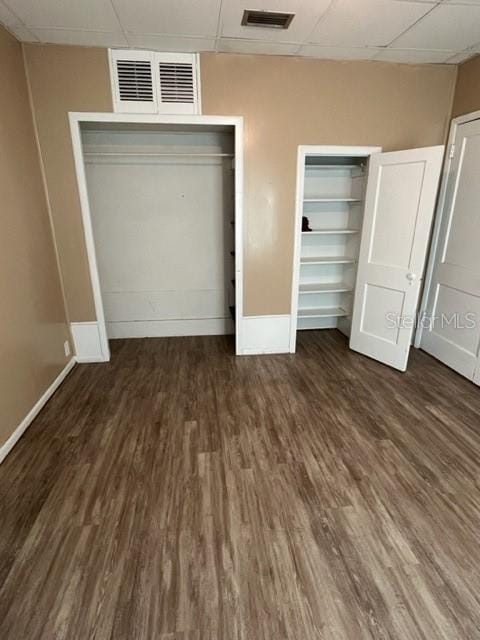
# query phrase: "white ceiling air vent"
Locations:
[[152, 82], [267, 19]]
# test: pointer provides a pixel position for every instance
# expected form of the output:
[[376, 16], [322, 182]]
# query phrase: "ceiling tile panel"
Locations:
[[467, 2], [415, 56], [23, 34], [411, 31], [307, 13], [237, 45], [69, 14], [352, 23], [82, 38], [339, 53], [172, 43], [461, 57], [176, 17], [454, 27], [6, 16]]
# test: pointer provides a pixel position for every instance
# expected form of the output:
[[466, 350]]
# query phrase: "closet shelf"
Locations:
[[322, 312], [320, 232], [327, 260], [334, 167], [143, 154], [332, 199], [322, 287]]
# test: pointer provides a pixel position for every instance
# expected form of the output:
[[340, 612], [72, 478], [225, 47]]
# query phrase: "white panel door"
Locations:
[[399, 205], [452, 329]]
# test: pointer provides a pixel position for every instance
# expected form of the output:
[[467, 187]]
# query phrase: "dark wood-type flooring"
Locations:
[[181, 493]]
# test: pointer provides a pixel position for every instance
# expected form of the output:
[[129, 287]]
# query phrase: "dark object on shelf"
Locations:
[[305, 224]]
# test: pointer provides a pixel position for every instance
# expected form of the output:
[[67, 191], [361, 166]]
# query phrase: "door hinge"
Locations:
[[233, 164], [452, 152]]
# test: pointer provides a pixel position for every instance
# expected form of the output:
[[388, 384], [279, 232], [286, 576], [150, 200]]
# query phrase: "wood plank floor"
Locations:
[[181, 493]]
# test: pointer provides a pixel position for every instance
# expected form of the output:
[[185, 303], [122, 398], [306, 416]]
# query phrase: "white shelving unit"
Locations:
[[332, 198], [321, 287], [323, 312], [335, 232], [331, 187], [327, 260]]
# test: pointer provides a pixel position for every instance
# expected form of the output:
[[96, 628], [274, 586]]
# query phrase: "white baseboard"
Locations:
[[169, 328], [265, 334], [86, 338], [32, 414]]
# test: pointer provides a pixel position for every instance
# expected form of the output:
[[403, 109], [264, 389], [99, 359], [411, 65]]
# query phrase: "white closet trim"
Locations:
[[76, 119]]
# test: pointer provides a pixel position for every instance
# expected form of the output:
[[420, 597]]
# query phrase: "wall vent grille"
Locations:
[[135, 80], [154, 82], [176, 82]]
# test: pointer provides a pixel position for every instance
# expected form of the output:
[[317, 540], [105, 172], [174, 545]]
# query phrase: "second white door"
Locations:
[[452, 328], [399, 206]]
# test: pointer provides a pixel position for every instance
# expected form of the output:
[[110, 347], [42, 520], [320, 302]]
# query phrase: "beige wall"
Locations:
[[32, 316], [467, 91], [285, 102], [64, 79], [292, 101]]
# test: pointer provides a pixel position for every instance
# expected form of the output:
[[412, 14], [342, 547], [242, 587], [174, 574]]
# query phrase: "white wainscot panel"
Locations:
[[265, 334]]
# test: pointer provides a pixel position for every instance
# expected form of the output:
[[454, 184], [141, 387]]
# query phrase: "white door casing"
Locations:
[[399, 205], [76, 120], [449, 333]]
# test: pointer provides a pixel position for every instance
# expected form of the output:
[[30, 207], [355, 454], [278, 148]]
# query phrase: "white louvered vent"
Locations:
[[135, 80], [133, 84], [151, 82], [177, 74], [176, 82]]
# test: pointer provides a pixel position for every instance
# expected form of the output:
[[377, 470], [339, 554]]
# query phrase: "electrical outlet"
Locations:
[[66, 346]]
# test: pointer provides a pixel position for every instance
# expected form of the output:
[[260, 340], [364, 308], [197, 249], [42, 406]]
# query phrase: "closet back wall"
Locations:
[[285, 102]]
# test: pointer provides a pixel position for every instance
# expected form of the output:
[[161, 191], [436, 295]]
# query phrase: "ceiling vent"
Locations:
[[267, 19], [154, 82]]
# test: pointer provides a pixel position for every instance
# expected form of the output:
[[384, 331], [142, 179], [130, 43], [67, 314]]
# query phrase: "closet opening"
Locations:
[[330, 193], [362, 224], [160, 205]]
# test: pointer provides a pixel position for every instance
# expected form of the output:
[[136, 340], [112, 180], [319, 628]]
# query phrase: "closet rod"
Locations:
[[155, 154]]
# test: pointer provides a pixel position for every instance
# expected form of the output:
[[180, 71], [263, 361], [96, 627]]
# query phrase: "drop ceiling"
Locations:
[[414, 31]]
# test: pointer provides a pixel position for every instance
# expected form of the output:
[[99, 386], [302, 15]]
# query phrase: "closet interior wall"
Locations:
[[162, 207]]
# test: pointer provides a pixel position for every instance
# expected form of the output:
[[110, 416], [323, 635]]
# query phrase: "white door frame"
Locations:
[[76, 119], [303, 151], [438, 218]]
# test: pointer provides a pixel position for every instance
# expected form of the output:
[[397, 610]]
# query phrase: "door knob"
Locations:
[[411, 276]]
